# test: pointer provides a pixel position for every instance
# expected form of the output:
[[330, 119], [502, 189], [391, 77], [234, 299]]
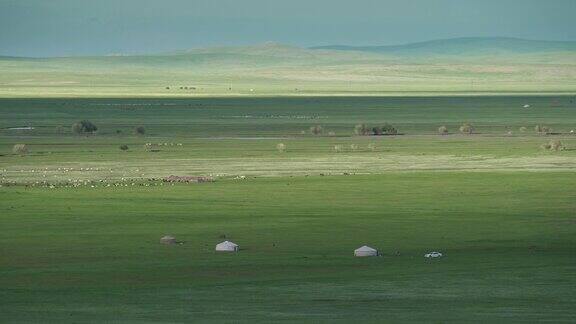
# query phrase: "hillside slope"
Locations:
[[465, 46]]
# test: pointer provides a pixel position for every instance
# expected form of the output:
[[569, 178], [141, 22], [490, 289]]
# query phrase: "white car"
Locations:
[[433, 255]]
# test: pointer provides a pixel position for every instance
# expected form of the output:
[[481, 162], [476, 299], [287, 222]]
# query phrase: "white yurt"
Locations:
[[366, 251], [168, 239], [227, 246]]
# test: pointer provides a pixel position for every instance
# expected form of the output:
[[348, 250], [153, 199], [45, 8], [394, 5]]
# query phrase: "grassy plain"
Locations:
[[274, 69], [498, 206]]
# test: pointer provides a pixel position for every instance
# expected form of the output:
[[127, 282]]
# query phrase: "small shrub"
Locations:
[[554, 145], [522, 129], [443, 130], [316, 130], [388, 129], [538, 129], [281, 147], [337, 148], [542, 130], [21, 149], [152, 147], [140, 130], [372, 147], [377, 131], [124, 147], [545, 146], [331, 134], [362, 130], [467, 129], [77, 128], [84, 127], [354, 147]]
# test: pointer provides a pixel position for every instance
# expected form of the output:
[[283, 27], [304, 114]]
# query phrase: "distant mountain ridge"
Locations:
[[468, 46], [463, 46]]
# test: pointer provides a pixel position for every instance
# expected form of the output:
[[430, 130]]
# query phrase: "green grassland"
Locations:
[[92, 255], [232, 137], [498, 206], [490, 66]]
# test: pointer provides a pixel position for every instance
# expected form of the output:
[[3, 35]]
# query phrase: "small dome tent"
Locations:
[[366, 251], [227, 246]]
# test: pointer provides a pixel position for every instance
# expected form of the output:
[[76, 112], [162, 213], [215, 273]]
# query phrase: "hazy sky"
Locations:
[[80, 27]]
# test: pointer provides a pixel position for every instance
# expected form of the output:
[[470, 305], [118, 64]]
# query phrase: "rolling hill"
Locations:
[[465, 46]]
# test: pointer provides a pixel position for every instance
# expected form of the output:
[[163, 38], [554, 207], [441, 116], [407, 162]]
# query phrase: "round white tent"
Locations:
[[168, 239], [366, 251], [227, 246]]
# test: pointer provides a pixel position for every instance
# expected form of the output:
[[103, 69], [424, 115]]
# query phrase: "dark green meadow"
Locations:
[[501, 209], [207, 117]]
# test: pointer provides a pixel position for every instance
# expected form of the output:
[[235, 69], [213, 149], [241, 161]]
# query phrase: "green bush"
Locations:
[[467, 129], [21, 149], [388, 129], [281, 147], [84, 127], [140, 130], [316, 130], [361, 130], [554, 145], [542, 130], [443, 130]]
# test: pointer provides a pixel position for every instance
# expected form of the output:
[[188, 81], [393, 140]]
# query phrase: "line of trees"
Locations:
[[86, 127], [388, 129], [365, 130]]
